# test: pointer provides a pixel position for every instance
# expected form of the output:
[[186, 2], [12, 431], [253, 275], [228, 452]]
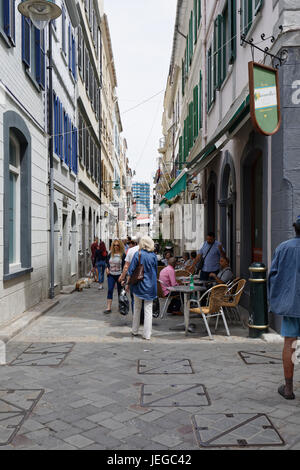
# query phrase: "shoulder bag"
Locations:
[[138, 273]]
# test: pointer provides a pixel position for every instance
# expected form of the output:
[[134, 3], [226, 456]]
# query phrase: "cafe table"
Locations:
[[186, 291]]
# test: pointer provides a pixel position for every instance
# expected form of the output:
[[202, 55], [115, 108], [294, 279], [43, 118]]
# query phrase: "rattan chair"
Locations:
[[216, 298], [233, 297], [182, 273], [160, 295]]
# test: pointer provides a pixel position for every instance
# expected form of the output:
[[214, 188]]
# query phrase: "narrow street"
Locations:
[[96, 387]]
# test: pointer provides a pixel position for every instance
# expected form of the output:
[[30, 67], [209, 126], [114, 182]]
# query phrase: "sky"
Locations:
[[142, 38]]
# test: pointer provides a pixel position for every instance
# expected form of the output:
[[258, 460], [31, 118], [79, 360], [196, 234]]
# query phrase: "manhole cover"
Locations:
[[43, 354], [235, 430], [165, 366], [260, 357], [159, 395], [15, 407]]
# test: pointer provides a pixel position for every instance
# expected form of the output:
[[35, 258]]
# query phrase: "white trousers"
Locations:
[[147, 316]]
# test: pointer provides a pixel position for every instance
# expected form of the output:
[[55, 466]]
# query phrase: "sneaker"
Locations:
[[100, 287], [107, 312], [147, 339]]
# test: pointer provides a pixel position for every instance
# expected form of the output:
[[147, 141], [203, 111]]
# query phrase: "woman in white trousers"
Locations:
[[146, 289]]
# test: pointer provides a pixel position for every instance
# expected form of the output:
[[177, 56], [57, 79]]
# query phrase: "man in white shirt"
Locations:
[[130, 254]]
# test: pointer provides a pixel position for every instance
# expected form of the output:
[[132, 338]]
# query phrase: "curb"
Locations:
[[16, 327]]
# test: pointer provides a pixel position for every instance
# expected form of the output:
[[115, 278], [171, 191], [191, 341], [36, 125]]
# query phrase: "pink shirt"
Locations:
[[167, 276]]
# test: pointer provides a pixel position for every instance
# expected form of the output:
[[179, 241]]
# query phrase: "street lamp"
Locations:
[[41, 13]]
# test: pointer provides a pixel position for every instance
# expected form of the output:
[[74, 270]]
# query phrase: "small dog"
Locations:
[[83, 283]]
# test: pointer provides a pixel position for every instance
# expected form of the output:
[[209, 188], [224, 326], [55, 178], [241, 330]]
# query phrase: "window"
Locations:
[[249, 8], [33, 51], [16, 196], [14, 201], [63, 31], [210, 75], [8, 20]]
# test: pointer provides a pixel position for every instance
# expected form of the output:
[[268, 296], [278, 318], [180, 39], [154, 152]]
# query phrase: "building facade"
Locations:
[[246, 183], [142, 197], [23, 165]]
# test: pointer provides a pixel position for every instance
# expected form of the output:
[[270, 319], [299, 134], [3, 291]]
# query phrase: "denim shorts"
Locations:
[[290, 327]]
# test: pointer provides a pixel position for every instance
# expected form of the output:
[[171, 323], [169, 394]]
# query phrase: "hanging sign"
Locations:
[[264, 98]]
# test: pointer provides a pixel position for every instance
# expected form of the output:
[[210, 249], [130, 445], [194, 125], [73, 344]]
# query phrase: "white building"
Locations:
[[65, 146], [23, 165]]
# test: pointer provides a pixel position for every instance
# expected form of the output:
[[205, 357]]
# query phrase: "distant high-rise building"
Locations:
[[141, 193]]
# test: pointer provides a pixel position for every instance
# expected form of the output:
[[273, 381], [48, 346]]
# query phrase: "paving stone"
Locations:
[[99, 417], [152, 416], [124, 432], [112, 424], [168, 439], [79, 441]]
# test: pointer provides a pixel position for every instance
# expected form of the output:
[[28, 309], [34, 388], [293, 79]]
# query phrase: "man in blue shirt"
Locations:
[[284, 299], [211, 253]]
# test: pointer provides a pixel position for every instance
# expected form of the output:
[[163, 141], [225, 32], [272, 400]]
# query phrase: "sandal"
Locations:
[[107, 311], [281, 392]]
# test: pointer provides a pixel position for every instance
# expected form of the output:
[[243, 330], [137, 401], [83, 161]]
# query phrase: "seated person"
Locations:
[[187, 261], [225, 275], [166, 258], [190, 267], [168, 278]]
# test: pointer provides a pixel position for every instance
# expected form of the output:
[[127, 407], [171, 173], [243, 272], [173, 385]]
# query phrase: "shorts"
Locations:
[[290, 327]]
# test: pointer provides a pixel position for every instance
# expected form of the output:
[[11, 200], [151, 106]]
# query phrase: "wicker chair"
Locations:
[[181, 273], [216, 298], [233, 297], [160, 295]]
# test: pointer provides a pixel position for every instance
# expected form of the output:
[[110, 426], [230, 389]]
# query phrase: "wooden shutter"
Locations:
[[257, 6], [63, 29], [199, 12], [195, 20], [191, 41], [195, 113], [232, 19], [79, 136], [79, 48], [200, 101], [26, 30], [185, 137], [37, 46], [182, 77], [9, 20], [70, 47], [190, 132]]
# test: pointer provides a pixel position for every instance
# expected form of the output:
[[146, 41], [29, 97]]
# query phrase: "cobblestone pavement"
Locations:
[[108, 390]]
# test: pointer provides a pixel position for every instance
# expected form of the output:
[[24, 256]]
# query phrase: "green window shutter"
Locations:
[[219, 51], [258, 5], [199, 12], [183, 77], [191, 42], [180, 153], [191, 112], [232, 19], [195, 20], [185, 140], [196, 113], [215, 56], [187, 57], [200, 101]]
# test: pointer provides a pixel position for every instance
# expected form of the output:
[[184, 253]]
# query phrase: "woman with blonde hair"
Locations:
[[114, 267], [145, 289]]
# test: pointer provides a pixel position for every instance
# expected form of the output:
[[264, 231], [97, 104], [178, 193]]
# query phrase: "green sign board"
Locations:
[[264, 98]]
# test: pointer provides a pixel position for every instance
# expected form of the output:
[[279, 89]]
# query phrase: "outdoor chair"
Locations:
[[160, 295], [181, 273], [159, 269], [214, 309], [233, 297]]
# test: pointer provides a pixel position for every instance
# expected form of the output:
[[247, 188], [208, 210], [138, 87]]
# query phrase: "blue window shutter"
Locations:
[[70, 142], [55, 121], [74, 57], [42, 81], [70, 48], [6, 17], [37, 45], [26, 27]]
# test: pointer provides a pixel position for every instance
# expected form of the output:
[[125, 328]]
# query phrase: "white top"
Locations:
[[130, 253]]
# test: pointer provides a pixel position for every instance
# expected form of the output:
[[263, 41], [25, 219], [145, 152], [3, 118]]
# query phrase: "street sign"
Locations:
[[264, 98]]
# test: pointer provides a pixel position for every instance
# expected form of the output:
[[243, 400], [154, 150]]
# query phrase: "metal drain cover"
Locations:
[[260, 357], [15, 407], [235, 430], [165, 366], [43, 354], [160, 395]]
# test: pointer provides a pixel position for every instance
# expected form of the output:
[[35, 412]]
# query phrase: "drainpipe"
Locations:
[[51, 182]]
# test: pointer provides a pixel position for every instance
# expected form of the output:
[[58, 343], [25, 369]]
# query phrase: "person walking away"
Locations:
[[210, 253], [225, 275], [168, 279], [100, 262], [115, 263], [129, 257], [284, 300], [94, 247], [146, 289]]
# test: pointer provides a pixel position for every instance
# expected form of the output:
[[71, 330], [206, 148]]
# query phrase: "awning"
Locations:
[[235, 116], [177, 188]]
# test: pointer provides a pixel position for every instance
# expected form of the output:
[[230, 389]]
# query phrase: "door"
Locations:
[[257, 211]]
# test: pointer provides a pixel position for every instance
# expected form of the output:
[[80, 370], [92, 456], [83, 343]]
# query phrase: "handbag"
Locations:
[[123, 303], [138, 273], [200, 264]]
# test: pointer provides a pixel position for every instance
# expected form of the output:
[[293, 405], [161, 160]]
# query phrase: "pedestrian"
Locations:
[[167, 277], [115, 263], [146, 289], [284, 300], [209, 257], [100, 262], [94, 246], [129, 257], [225, 274]]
